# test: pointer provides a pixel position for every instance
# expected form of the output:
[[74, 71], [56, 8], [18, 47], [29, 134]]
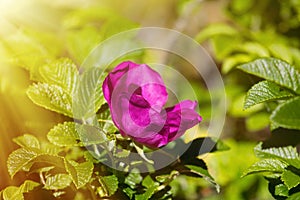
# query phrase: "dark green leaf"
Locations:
[[287, 114], [265, 91], [51, 97], [204, 173], [274, 70], [287, 154], [266, 165]]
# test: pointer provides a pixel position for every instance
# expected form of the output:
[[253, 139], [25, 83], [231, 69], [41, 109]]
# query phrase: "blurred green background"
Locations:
[[34, 32]]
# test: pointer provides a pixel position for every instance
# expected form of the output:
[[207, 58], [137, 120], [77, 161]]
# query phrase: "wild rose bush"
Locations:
[[100, 159]]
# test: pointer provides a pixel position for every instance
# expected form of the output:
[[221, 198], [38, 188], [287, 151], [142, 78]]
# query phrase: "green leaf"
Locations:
[[230, 62], [295, 196], [258, 121], [287, 154], [12, 193], [106, 123], [57, 182], [81, 173], [129, 192], [265, 91], [16, 193], [51, 97], [215, 29], [109, 185], [64, 135], [133, 178], [147, 195], [204, 173], [149, 182], [89, 97], [287, 114], [80, 42], [151, 188], [28, 185], [290, 179], [20, 158], [90, 135], [27, 140], [23, 158], [266, 165], [274, 70], [281, 190], [62, 72]]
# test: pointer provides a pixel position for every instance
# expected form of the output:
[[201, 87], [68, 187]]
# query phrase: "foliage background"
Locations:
[[34, 32]]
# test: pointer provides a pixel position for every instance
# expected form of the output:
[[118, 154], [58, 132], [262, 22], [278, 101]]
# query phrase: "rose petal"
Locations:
[[181, 117], [113, 77]]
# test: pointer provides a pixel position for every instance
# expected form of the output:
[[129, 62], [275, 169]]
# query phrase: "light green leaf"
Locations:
[[12, 193], [266, 165], [57, 182], [232, 61], [89, 96], [290, 179], [27, 186], [281, 190], [254, 48], [23, 158], [109, 185], [64, 135], [258, 121], [51, 97], [287, 154], [81, 173], [274, 70], [204, 173], [62, 72], [215, 29], [265, 91], [287, 114], [149, 182], [20, 158], [16, 193], [27, 140], [80, 42]]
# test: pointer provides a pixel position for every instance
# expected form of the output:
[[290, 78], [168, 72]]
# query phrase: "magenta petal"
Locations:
[[181, 117], [113, 77]]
